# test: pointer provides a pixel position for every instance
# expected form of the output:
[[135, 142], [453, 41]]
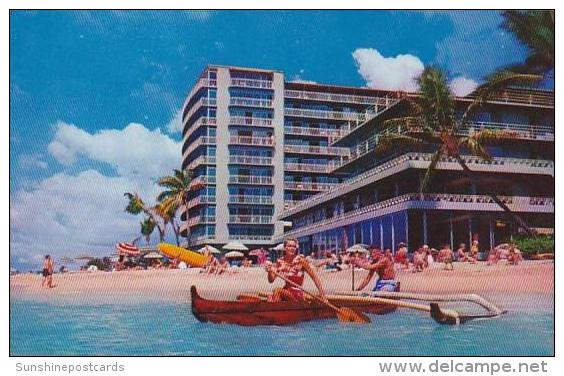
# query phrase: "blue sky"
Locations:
[[94, 96]]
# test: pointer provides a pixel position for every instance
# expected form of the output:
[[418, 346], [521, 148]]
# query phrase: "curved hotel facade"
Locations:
[[271, 159]]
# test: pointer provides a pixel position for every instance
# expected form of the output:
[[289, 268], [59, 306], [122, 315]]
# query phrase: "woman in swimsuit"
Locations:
[[293, 267], [47, 272]]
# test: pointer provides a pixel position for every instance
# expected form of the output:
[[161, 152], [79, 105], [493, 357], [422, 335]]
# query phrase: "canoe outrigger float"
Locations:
[[251, 312]]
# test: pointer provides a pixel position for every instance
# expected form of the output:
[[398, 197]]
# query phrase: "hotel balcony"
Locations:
[[258, 84], [251, 121], [201, 83], [197, 124], [251, 219], [201, 180], [201, 239], [199, 200], [308, 186], [249, 140], [247, 238], [320, 114], [329, 97], [202, 140], [246, 160], [319, 150], [200, 219], [185, 226], [250, 102], [371, 113], [250, 199], [515, 96], [422, 161], [518, 131], [250, 179], [428, 202], [201, 160], [290, 203], [331, 134], [202, 102], [306, 167]]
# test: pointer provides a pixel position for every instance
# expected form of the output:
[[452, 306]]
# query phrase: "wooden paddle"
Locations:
[[344, 314]]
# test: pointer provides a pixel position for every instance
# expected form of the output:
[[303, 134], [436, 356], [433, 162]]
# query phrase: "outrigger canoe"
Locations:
[[252, 313]]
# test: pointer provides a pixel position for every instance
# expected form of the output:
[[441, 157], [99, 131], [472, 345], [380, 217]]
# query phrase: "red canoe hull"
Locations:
[[268, 313]]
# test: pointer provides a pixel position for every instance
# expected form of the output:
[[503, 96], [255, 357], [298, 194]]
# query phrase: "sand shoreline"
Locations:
[[526, 286]]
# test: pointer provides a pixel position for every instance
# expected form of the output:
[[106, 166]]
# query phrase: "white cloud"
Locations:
[[66, 215], [134, 151], [30, 161], [388, 73], [175, 124], [462, 86]]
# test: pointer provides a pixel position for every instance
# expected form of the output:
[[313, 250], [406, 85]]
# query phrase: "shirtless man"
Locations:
[[382, 266], [446, 256], [402, 256], [461, 253]]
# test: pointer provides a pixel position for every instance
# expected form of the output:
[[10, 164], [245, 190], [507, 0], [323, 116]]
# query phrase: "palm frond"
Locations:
[[495, 84], [389, 141], [535, 29], [490, 136], [135, 204], [403, 124], [437, 100], [475, 147]]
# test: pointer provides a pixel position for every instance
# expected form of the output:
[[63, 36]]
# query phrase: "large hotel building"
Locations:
[[271, 158]]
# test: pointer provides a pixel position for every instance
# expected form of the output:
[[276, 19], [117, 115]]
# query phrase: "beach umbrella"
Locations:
[[210, 249], [153, 255], [358, 248], [235, 246], [128, 249], [234, 254]]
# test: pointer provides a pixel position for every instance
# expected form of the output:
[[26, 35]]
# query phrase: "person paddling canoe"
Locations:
[[293, 267], [384, 267]]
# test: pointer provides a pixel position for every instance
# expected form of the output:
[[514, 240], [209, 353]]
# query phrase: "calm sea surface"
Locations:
[[170, 329]]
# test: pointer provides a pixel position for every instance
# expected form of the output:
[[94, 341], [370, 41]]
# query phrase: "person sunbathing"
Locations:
[[222, 265], [461, 253]]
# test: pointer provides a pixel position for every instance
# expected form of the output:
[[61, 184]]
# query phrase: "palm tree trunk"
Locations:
[[174, 229], [470, 175]]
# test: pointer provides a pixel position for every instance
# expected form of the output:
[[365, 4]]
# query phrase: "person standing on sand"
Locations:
[[446, 256], [48, 268], [293, 267]]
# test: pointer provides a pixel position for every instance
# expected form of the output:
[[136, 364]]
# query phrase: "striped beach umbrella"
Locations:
[[128, 249]]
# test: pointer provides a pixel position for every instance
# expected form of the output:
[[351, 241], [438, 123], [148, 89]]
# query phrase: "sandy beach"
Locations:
[[525, 286]]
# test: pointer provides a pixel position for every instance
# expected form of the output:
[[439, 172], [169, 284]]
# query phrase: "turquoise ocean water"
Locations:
[[38, 328]]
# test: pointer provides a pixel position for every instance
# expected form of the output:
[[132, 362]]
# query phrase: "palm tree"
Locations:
[[433, 122], [535, 29], [147, 228], [177, 188], [168, 218], [137, 206]]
